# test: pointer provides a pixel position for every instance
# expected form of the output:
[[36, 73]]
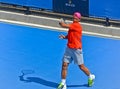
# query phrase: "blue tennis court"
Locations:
[[30, 58]]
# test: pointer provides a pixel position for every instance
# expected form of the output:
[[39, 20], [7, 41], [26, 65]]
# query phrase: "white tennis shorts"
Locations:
[[75, 55]]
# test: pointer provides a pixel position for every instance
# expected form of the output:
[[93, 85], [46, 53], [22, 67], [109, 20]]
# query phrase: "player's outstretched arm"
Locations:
[[62, 36], [63, 24]]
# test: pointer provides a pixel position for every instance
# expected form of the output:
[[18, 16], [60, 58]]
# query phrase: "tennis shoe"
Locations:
[[62, 86], [91, 80]]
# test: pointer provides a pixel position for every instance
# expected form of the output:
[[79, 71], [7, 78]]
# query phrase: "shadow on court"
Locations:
[[45, 82], [84, 85], [39, 81]]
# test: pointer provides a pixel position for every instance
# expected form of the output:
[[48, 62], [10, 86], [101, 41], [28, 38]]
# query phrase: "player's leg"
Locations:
[[84, 69], [64, 70], [62, 84], [91, 77], [78, 59], [66, 60]]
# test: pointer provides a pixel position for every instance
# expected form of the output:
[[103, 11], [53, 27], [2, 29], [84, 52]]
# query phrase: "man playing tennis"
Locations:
[[73, 51]]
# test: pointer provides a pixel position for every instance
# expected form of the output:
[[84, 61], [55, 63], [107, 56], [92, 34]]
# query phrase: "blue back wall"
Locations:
[[46, 4], [105, 8], [91, 8]]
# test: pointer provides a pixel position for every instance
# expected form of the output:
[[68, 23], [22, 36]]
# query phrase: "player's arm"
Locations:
[[63, 36], [62, 24]]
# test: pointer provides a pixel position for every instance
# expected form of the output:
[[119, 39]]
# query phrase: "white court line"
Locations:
[[20, 14], [33, 25], [56, 28], [58, 19]]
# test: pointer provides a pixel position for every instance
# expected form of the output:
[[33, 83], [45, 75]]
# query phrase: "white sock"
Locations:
[[63, 81], [91, 76], [65, 87]]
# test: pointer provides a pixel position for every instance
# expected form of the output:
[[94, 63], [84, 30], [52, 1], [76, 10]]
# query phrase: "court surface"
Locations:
[[30, 58]]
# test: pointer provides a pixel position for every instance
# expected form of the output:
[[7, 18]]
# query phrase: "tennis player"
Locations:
[[73, 50]]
